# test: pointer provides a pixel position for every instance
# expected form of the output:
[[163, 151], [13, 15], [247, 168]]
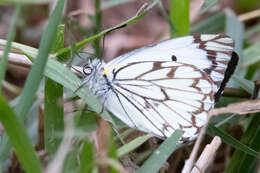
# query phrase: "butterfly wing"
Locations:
[[211, 53], [159, 97], [171, 85]]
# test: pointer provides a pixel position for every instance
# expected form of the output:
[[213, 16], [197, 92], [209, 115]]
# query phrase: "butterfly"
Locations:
[[167, 86]]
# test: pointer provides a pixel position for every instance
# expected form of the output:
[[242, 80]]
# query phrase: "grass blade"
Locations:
[[243, 83], [235, 29], [240, 161], [53, 106], [86, 158], [19, 139], [112, 154], [207, 5], [231, 141], [53, 115], [71, 163], [251, 55], [36, 73], [10, 38], [132, 145], [252, 31], [213, 24], [35, 76], [159, 157], [179, 16], [97, 29]]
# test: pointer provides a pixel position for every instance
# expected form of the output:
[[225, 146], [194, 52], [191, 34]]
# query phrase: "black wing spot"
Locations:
[[174, 58]]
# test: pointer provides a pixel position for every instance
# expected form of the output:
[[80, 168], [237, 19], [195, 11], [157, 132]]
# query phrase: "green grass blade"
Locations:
[[85, 122], [112, 154], [243, 83], [179, 16], [213, 24], [251, 55], [86, 158], [240, 161], [207, 5], [97, 29], [212, 130], [10, 38], [34, 78], [19, 139], [235, 29], [159, 157], [53, 105], [250, 32], [20, 48], [132, 145], [36, 73], [53, 115], [5, 144], [71, 163]]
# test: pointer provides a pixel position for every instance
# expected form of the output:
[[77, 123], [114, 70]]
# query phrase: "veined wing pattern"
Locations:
[[160, 97], [171, 85]]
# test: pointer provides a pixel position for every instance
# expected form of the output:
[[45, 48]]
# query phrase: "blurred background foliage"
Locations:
[[45, 126]]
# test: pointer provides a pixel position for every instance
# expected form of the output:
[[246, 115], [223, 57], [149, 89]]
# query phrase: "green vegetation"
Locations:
[[58, 130]]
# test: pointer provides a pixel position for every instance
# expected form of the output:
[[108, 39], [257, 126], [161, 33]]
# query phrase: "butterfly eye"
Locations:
[[87, 70]]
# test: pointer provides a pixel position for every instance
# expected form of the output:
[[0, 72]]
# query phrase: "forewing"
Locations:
[[211, 53], [159, 97]]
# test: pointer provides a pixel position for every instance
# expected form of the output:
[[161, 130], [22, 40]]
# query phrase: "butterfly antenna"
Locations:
[[104, 37], [103, 46]]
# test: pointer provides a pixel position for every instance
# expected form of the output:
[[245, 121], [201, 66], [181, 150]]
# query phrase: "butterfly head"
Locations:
[[90, 67], [90, 70]]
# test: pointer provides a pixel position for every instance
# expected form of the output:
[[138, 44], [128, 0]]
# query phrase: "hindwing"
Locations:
[[160, 97]]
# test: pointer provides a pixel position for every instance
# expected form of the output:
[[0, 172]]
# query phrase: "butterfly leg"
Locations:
[[103, 103]]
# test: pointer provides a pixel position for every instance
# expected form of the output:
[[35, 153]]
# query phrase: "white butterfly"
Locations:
[[168, 86]]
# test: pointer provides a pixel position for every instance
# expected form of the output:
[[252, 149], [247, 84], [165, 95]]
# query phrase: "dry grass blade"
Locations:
[[207, 156], [143, 7], [19, 59], [250, 15], [190, 162], [103, 144], [241, 108]]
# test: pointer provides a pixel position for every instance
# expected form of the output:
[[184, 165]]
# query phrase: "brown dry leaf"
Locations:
[[40, 144], [103, 144], [241, 108]]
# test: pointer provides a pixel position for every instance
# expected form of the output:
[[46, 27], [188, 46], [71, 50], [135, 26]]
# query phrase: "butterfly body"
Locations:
[[168, 86]]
